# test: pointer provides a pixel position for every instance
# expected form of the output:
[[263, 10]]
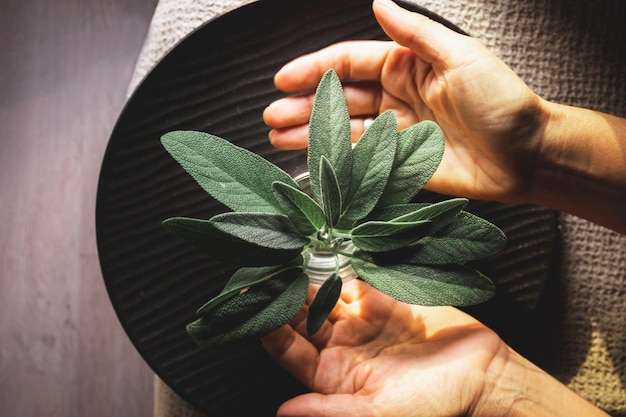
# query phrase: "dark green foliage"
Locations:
[[414, 252]]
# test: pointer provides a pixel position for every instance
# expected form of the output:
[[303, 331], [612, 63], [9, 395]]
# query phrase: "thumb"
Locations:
[[320, 405], [429, 40]]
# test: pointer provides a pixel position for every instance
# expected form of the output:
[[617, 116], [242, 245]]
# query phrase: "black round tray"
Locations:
[[219, 80]]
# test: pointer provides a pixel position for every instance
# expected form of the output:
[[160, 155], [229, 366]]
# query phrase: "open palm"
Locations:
[[377, 356]]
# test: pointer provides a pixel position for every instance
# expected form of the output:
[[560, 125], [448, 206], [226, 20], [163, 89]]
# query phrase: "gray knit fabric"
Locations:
[[569, 51]]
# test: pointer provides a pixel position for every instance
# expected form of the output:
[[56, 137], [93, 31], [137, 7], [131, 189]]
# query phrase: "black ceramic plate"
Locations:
[[219, 80]]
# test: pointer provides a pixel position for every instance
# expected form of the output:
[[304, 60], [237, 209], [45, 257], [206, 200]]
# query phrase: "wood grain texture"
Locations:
[[64, 69]]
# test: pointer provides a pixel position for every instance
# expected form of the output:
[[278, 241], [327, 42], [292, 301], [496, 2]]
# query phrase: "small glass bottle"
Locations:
[[323, 263]]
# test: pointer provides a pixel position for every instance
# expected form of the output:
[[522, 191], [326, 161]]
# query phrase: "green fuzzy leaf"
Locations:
[[236, 177], [427, 285], [330, 193], [244, 278], [419, 152], [389, 213], [379, 236], [224, 247], [306, 215], [373, 158], [380, 229], [408, 224], [439, 214], [268, 230], [256, 312], [329, 133], [323, 303], [466, 238]]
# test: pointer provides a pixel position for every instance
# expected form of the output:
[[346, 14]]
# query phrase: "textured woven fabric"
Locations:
[[172, 21], [169, 404], [569, 51]]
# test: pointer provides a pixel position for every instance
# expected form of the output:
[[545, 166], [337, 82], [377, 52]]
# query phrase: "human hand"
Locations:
[[376, 356], [491, 120]]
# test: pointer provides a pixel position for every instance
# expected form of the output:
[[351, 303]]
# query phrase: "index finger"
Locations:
[[351, 60]]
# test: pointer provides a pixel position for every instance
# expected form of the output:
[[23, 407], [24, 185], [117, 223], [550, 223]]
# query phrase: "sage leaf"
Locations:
[[330, 193], [408, 224], [306, 215], [380, 228], [224, 247], [466, 238], [244, 278], [269, 230], [439, 214], [373, 158], [427, 285], [380, 236], [329, 133], [389, 213], [236, 177], [323, 303], [418, 154], [256, 312]]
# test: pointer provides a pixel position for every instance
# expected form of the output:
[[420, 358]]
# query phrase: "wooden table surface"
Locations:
[[64, 69]]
